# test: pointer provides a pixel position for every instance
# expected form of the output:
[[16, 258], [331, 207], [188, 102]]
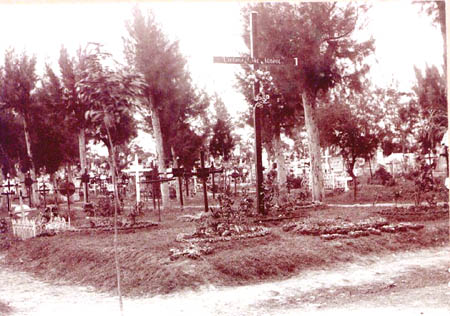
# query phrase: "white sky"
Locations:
[[404, 38]]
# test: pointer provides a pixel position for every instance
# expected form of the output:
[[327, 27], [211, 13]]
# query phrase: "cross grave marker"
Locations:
[[259, 98], [137, 169], [8, 191]]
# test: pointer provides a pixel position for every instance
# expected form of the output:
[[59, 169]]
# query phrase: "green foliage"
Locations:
[[17, 82], [12, 143], [226, 218], [319, 35], [342, 129], [169, 96], [431, 91], [425, 185], [110, 95], [222, 142], [104, 206], [294, 182], [246, 203], [187, 146], [382, 176]]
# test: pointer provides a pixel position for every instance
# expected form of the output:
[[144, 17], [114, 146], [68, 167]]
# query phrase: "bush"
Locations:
[[294, 182], [381, 176], [172, 193], [105, 207]]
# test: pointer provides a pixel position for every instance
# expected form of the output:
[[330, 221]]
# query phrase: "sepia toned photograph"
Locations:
[[224, 158]]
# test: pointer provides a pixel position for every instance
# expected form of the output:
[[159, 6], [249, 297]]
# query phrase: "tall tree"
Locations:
[[351, 136], [111, 95], [52, 132], [169, 97], [73, 71], [18, 83], [12, 143], [320, 36], [431, 91], [222, 142], [281, 114]]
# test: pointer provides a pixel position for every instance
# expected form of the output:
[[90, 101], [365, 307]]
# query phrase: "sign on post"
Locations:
[[255, 60], [271, 61]]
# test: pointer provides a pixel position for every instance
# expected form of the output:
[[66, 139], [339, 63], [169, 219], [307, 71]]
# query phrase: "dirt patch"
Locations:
[[87, 258], [407, 282]]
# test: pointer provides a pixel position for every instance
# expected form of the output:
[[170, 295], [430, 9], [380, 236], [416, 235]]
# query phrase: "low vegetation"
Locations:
[[157, 259]]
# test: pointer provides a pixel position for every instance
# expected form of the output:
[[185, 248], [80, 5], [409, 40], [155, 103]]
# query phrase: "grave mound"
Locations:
[[106, 224], [333, 229], [415, 213]]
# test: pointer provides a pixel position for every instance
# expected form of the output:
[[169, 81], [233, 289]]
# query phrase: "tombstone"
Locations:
[[21, 210]]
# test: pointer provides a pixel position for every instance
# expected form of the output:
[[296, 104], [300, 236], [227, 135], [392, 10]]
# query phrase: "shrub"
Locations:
[[383, 177], [294, 182], [105, 206]]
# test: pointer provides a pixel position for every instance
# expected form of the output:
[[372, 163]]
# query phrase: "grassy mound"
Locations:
[[87, 258]]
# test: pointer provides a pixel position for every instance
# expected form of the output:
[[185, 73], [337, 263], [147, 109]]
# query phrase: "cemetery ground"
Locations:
[[169, 257]]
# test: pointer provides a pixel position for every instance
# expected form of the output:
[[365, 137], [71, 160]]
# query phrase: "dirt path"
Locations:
[[408, 283]]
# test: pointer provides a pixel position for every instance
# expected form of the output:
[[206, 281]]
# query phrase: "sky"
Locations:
[[404, 37]]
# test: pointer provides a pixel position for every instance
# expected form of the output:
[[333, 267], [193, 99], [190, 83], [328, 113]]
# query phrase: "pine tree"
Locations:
[[319, 35], [170, 96]]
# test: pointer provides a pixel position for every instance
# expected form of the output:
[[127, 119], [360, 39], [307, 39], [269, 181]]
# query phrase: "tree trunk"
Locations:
[[33, 192], [178, 183], [116, 206], [354, 187], [83, 164], [309, 105], [281, 165], [350, 170], [157, 133]]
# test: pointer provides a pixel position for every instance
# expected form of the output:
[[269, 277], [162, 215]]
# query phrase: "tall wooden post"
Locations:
[[213, 182], [257, 118], [205, 193], [259, 99]]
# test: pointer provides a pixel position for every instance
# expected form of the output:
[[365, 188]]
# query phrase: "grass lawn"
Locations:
[[87, 258]]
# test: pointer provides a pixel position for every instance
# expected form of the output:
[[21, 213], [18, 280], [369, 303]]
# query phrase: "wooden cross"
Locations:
[[28, 183], [156, 180], [44, 189], [8, 192], [255, 60], [203, 173], [136, 169]]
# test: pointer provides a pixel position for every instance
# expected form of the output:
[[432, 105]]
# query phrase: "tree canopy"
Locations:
[[319, 35]]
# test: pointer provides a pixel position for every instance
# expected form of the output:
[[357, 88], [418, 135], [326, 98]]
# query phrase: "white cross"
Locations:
[[136, 168], [327, 157]]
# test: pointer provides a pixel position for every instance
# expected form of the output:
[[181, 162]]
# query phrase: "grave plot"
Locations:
[[223, 225], [334, 228], [25, 228], [415, 213], [106, 224]]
